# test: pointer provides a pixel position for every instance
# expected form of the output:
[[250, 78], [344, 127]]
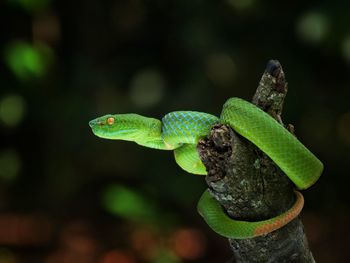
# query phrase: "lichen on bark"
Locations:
[[248, 184]]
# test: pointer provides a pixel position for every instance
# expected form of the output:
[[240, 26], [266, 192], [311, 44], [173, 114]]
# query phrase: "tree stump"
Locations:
[[248, 184]]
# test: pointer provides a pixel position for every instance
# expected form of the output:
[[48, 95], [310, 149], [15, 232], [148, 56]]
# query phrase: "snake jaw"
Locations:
[[168, 146], [93, 123]]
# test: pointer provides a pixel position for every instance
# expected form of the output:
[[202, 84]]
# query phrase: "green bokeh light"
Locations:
[[12, 109], [10, 165], [26, 60], [221, 69], [166, 256], [146, 88], [241, 4], [31, 6], [346, 48], [121, 201], [313, 27]]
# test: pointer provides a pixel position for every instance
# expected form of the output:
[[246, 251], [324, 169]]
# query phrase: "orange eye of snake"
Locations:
[[110, 121]]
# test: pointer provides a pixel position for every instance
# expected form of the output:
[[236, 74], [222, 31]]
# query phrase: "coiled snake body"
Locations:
[[181, 130]]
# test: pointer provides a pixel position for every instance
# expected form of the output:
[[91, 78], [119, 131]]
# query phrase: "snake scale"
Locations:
[[180, 131]]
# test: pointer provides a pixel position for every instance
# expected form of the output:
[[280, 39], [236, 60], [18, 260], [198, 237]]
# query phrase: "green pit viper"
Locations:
[[180, 131]]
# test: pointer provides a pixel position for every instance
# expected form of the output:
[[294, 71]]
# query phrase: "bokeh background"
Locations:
[[67, 196]]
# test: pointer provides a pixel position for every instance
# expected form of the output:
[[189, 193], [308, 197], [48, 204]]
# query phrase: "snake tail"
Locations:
[[217, 219]]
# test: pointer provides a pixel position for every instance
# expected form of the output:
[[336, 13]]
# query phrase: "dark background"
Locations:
[[64, 63]]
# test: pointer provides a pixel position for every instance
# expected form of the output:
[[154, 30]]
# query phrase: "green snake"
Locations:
[[180, 131]]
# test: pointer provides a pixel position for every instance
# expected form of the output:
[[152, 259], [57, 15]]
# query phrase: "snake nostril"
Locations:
[[92, 123], [95, 122]]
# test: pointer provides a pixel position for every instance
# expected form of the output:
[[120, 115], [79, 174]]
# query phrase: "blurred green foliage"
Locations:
[[313, 27], [26, 60], [166, 257], [10, 165], [30, 6], [124, 202], [12, 108]]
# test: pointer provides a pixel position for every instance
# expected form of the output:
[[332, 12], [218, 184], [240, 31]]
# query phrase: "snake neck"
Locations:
[[186, 127], [152, 136]]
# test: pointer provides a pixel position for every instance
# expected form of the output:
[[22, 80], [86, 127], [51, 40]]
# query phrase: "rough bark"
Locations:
[[250, 186]]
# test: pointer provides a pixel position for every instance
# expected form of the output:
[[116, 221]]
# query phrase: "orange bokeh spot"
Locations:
[[144, 242], [189, 244], [117, 256], [20, 229]]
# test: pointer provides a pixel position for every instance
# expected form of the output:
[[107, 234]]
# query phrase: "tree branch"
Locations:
[[250, 186]]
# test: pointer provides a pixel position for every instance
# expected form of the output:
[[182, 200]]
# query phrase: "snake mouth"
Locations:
[[95, 122], [92, 123], [127, 135]]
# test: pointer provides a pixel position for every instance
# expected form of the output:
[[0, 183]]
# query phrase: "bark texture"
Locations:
[[250, 186]]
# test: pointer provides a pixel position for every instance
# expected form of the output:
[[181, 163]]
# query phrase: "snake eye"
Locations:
[[110, 120]]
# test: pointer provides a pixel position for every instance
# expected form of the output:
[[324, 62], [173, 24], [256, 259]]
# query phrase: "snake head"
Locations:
[[128, 127]]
